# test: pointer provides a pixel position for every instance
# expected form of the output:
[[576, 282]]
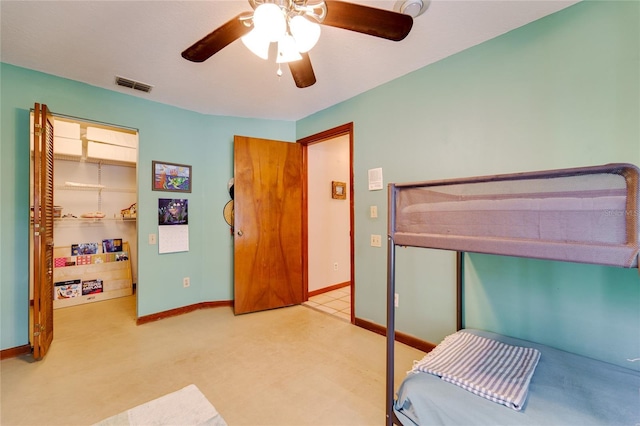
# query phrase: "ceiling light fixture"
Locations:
[[302, 20], [292, 24], [269, 21], [258, 44], [287, 50], [305, 33]]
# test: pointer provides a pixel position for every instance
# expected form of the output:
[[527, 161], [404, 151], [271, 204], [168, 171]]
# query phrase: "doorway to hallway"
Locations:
[[328, 221]]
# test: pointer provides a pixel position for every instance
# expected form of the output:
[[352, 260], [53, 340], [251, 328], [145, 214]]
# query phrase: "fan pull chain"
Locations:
[[279, 72]]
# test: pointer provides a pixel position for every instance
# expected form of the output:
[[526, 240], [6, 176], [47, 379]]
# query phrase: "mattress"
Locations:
[[587, 220], [587, 215], [566, 389]]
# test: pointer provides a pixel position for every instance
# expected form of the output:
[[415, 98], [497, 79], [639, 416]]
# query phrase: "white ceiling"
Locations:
[[93, 41]]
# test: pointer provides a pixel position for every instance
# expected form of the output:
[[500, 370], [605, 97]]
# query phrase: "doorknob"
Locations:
[[239, 233]]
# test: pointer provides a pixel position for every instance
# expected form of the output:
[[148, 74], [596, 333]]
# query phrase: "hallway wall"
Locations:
[[329, 253]]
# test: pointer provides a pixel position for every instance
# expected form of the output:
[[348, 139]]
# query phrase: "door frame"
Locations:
[[345, 129]]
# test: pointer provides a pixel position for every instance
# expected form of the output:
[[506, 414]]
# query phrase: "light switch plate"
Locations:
[[152, 239]]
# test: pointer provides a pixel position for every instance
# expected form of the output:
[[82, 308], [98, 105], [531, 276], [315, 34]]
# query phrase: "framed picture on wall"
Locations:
[[173, 212], [170, 177], [338, 190]]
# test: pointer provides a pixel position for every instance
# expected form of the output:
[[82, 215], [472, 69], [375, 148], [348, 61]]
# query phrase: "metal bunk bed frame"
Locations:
[[630, 246]]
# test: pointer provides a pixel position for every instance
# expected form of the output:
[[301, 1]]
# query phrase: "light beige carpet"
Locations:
[[188, 406]]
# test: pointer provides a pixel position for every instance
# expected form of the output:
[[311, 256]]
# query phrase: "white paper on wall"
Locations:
[[375, 179], [173, 238]]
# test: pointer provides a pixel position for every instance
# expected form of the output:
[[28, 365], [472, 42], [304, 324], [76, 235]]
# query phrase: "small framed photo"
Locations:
[[338, 190], [170, 177]]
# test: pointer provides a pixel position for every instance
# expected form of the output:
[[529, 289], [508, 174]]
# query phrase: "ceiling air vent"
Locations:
[[132, 84]]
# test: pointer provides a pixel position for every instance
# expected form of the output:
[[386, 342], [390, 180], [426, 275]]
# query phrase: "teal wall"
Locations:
[[583, 309], [560, 92], [165, 133]]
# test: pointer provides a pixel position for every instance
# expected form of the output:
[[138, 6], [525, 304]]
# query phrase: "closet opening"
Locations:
[[95, 198]]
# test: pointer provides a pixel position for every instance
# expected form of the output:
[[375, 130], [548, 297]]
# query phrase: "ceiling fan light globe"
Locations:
[[257, 44], [269, 21], [287, 51], [305, 33]]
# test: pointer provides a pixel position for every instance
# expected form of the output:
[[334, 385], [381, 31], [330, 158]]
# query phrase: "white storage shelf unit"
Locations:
[[107, 188], [115, 276]]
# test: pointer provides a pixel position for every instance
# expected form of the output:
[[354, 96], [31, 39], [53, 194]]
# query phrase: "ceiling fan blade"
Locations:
[[211, 44], [368, 20], [302, 71]]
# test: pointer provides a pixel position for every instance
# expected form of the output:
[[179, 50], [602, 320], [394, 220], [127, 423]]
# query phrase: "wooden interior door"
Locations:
[[42, 245], [267, 224]]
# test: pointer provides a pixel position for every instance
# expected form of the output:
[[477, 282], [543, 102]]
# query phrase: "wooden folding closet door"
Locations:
[[42, 238]]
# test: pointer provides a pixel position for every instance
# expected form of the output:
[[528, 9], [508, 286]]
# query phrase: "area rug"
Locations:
[[188, 406]]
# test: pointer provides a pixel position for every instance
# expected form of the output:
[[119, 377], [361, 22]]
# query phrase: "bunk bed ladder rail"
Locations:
[[391, 289]]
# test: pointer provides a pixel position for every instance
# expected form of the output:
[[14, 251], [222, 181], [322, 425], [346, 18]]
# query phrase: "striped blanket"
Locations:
[[493, 370]]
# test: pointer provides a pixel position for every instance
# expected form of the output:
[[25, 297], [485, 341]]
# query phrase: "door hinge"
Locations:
[[38, 130], [37, 329], [38, 229]]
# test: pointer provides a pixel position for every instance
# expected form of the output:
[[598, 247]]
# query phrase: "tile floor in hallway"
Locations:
[[336, 302]]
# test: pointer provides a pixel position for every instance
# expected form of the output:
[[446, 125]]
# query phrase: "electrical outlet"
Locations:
[[186, 282], [335, 266], [376, 240], [396, 300]]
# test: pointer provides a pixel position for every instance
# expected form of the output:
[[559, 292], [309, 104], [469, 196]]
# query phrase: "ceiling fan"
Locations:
[[295, 26]]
